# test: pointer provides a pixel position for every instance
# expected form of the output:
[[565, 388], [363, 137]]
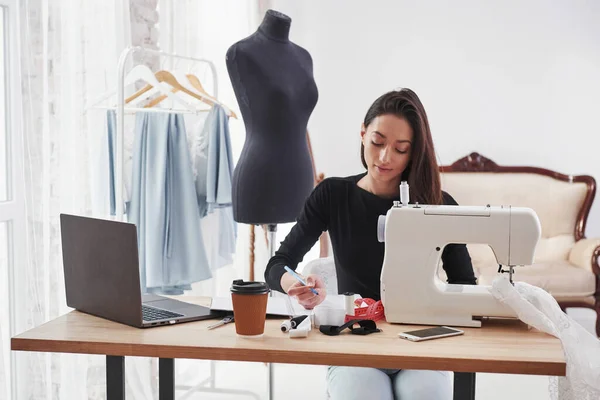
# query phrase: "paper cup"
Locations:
[[249, 307]]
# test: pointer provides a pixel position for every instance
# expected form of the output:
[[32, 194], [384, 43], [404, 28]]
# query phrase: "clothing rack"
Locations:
[[207, 385]]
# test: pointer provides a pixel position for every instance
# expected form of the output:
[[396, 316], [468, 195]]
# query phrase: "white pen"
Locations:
[[299, 279], [222, 322]]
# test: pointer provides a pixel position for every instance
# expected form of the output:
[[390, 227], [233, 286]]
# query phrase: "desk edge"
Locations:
[[554, 368]]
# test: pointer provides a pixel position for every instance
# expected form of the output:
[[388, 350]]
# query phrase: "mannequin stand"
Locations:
[[272, 238]]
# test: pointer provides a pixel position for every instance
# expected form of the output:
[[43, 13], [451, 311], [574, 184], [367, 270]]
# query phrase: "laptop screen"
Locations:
[[100, 260]]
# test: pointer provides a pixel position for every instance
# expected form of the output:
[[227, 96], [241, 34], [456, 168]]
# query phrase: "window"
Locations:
[[5, 181], [12, 202]]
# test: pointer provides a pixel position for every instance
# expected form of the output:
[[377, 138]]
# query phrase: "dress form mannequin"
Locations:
[[273, 81]]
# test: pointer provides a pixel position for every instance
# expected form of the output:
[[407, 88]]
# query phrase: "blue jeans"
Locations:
[[348, 383]]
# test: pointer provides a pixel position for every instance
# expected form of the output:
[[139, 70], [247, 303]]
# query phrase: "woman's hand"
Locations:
[[304, 295]]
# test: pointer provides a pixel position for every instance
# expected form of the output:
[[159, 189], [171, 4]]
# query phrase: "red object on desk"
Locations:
[[373, 310]]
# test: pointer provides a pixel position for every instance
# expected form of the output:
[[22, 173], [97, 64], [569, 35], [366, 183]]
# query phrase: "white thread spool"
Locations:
[[404, 193], [302, 329], [299, 333], [286, 326], [349, 303]]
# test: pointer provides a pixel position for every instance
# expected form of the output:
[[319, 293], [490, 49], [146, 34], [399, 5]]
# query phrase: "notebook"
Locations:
[[283, 306]]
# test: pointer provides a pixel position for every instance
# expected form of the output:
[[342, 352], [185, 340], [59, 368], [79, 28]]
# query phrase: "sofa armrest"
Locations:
[[584, 254]]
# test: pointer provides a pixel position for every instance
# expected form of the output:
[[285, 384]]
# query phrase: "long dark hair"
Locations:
[[422, 172]]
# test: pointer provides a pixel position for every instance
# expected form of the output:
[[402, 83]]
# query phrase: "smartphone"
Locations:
[[430, 333]]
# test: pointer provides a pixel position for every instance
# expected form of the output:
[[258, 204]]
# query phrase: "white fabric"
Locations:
[[539, 309], [325, 268]]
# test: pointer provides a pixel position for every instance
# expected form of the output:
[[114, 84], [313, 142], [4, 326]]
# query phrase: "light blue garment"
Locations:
[[213, 162], [111, 126], [220, 245], [214, 157], [164, 206], [220, 162], [358, 383]]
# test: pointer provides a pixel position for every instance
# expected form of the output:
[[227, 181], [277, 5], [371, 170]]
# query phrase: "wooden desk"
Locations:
[[500, 346]]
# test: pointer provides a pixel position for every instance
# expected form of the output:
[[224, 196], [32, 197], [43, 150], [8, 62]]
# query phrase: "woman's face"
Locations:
[[388, 144]]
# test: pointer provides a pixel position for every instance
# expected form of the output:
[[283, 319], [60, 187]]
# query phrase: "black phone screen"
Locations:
[[423, 333]]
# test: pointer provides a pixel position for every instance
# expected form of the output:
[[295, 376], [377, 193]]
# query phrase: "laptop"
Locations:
[[102, 276]]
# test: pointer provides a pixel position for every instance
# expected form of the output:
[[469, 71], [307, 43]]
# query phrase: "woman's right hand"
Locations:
[[304, 295]]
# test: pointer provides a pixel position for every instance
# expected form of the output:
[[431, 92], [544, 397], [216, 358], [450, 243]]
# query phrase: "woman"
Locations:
[[396, 146]]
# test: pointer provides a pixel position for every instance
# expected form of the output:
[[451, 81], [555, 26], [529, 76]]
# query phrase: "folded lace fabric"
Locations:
[[539, 309]]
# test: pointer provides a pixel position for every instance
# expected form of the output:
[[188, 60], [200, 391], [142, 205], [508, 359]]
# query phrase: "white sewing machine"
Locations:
[[415, 236]]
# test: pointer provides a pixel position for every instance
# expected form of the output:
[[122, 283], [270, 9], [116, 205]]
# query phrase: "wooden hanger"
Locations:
[[162, 76], [149, 85], [142, 72], [168, 77], [195, 82]]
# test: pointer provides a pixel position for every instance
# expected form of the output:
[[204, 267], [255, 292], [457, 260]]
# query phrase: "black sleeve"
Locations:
[[311, 223], [456, 258]]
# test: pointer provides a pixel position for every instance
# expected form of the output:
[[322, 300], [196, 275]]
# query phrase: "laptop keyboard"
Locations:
[[154, 314]]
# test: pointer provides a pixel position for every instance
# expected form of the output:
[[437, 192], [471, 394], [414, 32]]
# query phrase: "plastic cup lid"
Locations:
[[249, 287]]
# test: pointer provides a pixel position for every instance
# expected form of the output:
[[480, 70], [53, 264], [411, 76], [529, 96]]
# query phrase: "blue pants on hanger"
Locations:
[[164, 206]]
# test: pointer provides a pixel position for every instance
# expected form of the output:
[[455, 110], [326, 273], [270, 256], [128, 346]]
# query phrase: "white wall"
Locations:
[[518, 81]]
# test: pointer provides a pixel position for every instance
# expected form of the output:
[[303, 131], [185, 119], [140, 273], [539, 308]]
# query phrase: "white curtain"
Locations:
[[69, 57], [69, 52]]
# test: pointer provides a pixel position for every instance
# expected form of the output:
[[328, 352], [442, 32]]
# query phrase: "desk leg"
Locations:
[[271, 381], [115, 378], [464, 386], [166, 379]]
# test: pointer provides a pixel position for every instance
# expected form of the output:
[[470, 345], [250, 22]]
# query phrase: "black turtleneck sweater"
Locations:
[[349, 214]]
